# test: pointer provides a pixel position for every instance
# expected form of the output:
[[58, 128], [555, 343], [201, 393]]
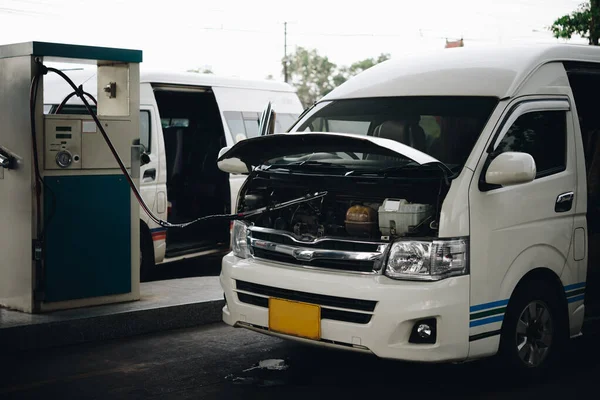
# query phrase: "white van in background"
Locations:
[[186, 118]]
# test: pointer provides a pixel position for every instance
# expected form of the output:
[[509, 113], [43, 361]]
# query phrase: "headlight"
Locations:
[[239, 239], [428, 260]]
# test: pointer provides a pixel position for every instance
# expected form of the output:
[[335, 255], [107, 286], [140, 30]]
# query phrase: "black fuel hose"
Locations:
[[224, 217], [66, 99]]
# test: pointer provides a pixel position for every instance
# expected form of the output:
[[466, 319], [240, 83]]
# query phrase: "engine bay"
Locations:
[[360, 211]]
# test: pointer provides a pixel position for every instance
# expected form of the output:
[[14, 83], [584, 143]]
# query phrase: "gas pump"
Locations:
[[69, 223], [69, 184]]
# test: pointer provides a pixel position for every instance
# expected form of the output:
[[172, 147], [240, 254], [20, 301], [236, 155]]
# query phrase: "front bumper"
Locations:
[[398, 305]]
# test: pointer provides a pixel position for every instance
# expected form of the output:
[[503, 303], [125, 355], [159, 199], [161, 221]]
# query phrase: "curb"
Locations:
[[106, 327]]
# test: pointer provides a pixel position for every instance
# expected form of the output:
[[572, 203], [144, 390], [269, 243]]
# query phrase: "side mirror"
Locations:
[[144, 159], [231, 165], [223, 151], [511, 168]]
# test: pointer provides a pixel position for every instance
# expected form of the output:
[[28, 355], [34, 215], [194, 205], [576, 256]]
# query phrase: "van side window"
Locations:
[[251, 122], [145, 129], [543, 135], [235, 122], [244, 123]]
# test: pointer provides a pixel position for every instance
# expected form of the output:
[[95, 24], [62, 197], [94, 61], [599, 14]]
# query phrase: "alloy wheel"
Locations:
[[534, 334]]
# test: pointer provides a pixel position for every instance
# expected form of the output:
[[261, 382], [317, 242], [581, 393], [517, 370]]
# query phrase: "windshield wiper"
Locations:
[[447, 171], [383, 171], [313, 162], [301, 164]]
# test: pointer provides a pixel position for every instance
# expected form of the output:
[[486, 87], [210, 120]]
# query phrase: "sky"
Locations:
[[245, 38]]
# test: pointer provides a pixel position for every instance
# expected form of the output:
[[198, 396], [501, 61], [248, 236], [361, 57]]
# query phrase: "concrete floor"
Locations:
[[179, 295], [164, 305], [155, 294], [216, 362]]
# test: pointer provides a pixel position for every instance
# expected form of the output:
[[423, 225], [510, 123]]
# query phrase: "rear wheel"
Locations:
[[534, 332]]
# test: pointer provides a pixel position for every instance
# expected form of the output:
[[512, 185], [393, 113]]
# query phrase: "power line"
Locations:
[[33, 2], [8, 10], [28, 12], [420, 33]]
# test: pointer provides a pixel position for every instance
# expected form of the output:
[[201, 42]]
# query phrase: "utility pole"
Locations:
[[285, 63]]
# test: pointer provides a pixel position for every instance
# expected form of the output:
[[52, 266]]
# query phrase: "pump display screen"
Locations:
[[63, 136], [63, 129]]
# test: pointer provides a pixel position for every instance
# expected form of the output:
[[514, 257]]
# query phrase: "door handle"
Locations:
[[564, 202], [149, 175]]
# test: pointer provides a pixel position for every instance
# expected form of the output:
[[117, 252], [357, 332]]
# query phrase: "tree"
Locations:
[[314, 75], [202, 70], [311, 74], [585, 22]]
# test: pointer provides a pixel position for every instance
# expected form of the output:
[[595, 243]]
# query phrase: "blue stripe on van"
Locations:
[[574, 286], [486, 306], [486, 321], [574, 293], [576, 298]]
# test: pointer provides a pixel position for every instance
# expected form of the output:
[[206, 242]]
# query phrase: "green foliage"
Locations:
[[311, 74], [583, 22], [315, 75]]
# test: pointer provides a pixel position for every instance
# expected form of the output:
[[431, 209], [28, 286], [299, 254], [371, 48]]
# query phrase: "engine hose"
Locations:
[[223, 217]]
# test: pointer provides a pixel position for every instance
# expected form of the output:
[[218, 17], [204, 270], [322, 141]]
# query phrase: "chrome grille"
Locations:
[[336, 254]]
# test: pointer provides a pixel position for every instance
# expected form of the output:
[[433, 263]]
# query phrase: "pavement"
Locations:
[[220, 362], [164, 305]]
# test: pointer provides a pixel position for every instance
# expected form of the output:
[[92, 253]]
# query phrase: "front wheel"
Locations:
[[534, 332]]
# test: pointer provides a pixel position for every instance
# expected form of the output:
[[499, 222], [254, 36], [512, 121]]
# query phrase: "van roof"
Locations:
[[53, 83], [196, 79], [496, 71]]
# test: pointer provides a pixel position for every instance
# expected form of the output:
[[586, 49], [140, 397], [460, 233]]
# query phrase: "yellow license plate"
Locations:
[[295, 318]]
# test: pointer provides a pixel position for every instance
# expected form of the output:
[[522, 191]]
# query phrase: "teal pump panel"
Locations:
[[89, 239], [80, 247]]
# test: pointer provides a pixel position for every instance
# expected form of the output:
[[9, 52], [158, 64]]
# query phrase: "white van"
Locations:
[[186, 118], [460, 218]]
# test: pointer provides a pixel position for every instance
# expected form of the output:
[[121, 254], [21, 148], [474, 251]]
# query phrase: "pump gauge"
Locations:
[[64, 159]]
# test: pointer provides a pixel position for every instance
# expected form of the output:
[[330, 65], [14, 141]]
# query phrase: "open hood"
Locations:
[[256, 151]]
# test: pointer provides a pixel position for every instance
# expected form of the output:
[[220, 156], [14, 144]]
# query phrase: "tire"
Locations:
[[146, 256], [532, 345]]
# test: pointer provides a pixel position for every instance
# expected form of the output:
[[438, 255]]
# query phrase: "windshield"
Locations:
[[446, 128]]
